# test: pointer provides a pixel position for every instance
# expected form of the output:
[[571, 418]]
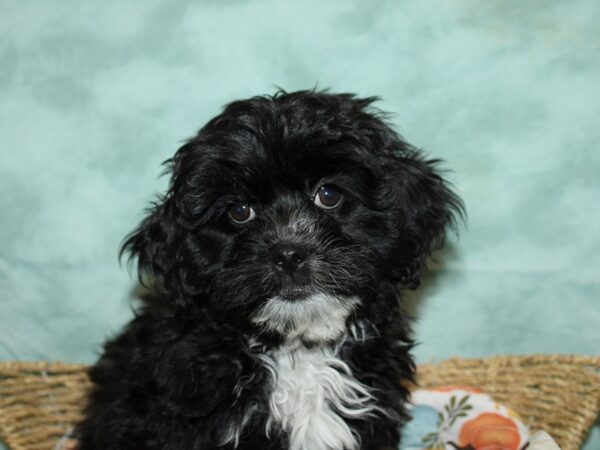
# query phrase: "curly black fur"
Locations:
[[189, 368]]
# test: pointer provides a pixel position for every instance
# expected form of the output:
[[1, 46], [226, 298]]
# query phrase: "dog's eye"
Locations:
[[328, 197], [241, 213]]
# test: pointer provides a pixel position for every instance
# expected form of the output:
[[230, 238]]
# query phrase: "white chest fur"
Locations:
[[313, 391]]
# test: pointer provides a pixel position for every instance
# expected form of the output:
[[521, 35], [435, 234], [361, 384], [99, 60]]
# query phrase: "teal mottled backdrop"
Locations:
[[94, 95]]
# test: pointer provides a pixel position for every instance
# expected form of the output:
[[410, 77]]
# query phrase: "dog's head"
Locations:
[[289, 212]]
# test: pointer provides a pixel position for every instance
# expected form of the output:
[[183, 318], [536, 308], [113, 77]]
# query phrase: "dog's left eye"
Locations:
[[328, 197], [241, 212]]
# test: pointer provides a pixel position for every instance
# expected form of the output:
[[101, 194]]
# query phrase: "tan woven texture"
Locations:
[[40, 402]]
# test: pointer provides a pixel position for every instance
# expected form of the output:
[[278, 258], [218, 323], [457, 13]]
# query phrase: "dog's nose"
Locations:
[[288, 257]]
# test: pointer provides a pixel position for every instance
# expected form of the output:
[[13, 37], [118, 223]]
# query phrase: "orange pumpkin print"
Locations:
[[490, 431]]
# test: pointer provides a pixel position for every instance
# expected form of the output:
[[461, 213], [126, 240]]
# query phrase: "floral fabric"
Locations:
[[461, 418]]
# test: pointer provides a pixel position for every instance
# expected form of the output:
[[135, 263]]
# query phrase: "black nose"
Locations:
[[288, 257]]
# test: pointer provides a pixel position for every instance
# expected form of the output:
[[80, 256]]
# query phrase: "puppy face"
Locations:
[[290, 210]]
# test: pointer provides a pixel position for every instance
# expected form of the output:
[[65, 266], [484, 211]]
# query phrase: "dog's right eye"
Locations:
[[328, 196], [241, 213]]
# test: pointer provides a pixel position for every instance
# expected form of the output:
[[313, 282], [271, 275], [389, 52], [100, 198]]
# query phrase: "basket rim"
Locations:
[[534, 359], [591, 361]]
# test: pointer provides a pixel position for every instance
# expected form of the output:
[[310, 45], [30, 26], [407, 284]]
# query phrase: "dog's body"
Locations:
[[289, 227]]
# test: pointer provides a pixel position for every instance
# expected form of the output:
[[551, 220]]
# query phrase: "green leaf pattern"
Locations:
[[453, 411]]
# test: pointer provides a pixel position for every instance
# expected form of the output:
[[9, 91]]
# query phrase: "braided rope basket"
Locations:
[[40, 401]]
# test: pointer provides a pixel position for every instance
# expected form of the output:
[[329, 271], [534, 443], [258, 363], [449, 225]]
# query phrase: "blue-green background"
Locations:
[[94, 95]]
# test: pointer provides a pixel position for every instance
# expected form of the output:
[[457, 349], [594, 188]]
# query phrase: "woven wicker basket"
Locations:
[[40, 402]]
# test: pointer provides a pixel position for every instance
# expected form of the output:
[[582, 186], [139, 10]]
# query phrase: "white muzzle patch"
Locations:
[[318, 318]]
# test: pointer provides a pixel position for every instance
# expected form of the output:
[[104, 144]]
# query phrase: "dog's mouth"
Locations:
[[295, 293], [295, 287]]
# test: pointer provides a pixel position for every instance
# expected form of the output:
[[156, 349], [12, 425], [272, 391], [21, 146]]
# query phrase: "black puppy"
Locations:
[[290, 225]]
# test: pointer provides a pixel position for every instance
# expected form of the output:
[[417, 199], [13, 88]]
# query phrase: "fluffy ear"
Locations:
[[167, 244], [422, 205], [151, 243]]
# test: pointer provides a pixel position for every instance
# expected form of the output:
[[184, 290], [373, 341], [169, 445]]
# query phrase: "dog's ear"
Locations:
[[152, 242], [167, 243], [422, 206]]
